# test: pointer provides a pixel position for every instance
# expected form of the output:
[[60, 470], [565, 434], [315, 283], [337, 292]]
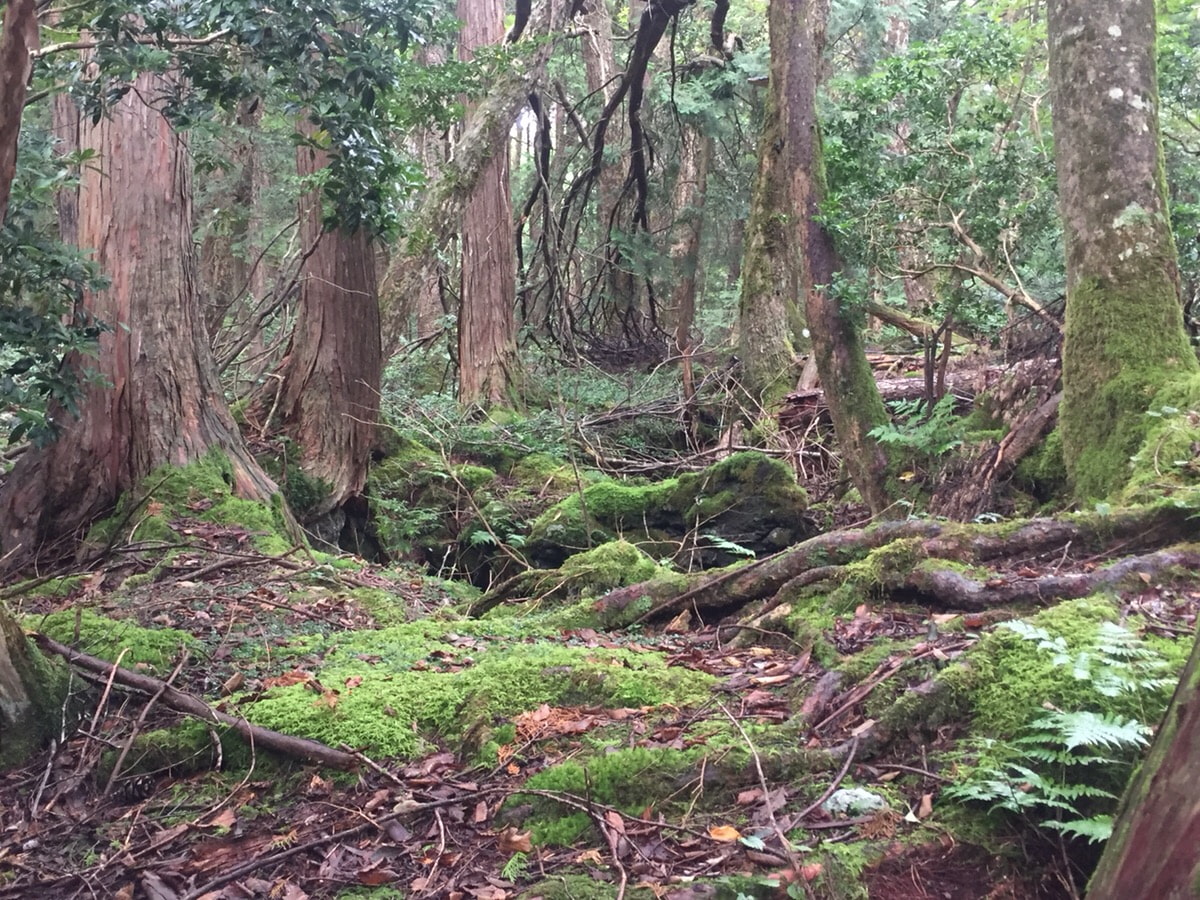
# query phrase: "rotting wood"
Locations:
[[289, 745]]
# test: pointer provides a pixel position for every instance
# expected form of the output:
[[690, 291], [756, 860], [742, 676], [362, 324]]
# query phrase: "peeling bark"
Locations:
[[161, 403], [332, 371]]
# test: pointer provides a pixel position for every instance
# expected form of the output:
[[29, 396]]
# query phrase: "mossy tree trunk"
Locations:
[[158, 400], [1124, 336], [330, 393], [28, 695], [854, 401], [768, 314], [19, 37]]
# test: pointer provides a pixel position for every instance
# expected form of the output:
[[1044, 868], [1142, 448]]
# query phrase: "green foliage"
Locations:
[[930, 435], [155, 648], [952, 111], [1065, 768], [41, 280]]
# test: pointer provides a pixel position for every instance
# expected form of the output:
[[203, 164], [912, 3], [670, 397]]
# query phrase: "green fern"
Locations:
[[1064, 770]]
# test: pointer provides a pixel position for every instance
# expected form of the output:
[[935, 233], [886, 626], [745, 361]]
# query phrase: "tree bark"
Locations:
[[854, 402], [1154, 850], [27, 702], [768, 314], [332, 371], [161, 402], [487, 352], [442, 205], [1124, 336], [691, 185], [19, 37]]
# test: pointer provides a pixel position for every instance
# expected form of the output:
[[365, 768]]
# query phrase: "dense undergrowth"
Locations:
[[707, 745]]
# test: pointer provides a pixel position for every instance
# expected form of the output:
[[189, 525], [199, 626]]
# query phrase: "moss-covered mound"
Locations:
[[748, 503]]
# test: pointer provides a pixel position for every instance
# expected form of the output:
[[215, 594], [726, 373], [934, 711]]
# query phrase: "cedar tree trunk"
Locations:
[[1124, 336], [330, 393], [695, 151], [161, 402], [487, 353], [19, 37]]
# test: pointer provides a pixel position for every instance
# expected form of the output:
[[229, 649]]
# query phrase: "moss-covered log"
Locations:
[[926, 559]]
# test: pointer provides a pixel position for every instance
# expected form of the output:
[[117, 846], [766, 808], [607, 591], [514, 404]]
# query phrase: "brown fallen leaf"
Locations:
[[226, 818], [512, 841], [925, 809], [613, 818], [726, 834]]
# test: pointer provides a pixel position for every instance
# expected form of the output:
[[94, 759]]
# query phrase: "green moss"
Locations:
[[569, 886], [30, 722], [1123, 343], [885, 565], [55, 587], [631, 779], [397, 687], [1043, 472], [473, 477], [155, 648], [608, 566], [200, 490], [1167, 463], [736, 495]]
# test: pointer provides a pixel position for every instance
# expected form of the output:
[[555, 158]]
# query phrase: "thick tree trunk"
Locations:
[[487, 352], [768, 314], [330, 393], [28, 700], [161, 402], [19, 37], [854, 402], [1124, 336]]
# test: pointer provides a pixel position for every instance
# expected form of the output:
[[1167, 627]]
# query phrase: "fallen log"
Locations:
[[289, 745]]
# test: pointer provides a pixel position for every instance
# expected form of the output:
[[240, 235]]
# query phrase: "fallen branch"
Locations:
[[300, 748]]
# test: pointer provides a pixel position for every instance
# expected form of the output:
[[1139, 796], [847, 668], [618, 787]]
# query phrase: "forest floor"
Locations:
[[666, 765]]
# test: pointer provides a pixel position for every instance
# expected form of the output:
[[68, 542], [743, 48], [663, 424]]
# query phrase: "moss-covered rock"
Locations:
[[1168, 462], [747, 503]]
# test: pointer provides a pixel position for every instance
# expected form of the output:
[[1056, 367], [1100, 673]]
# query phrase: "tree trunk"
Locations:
[[19, 37], [691, 186], [1155, 847], [487, 353], [28, 698], [768, 314], [444, 201], [161, 403], [330, 393], [854, 402], [1124, 336]]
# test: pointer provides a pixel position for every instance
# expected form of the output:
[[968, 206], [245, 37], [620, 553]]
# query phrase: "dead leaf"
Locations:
[[761, 651], [751, 796], [864, 727], [925, 809], [613, 818], [226, 818], [235, 681], [726, 834], [590, 856], [353, 681], [512, 841], [481, 812]]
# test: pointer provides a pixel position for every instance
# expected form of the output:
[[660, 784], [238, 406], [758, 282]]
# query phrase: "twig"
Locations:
[[762, 783], [303, 748], [833, 786], [141, 719]]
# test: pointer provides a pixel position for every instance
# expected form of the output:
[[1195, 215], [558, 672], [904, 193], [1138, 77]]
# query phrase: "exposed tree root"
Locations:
[[913, 571]]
